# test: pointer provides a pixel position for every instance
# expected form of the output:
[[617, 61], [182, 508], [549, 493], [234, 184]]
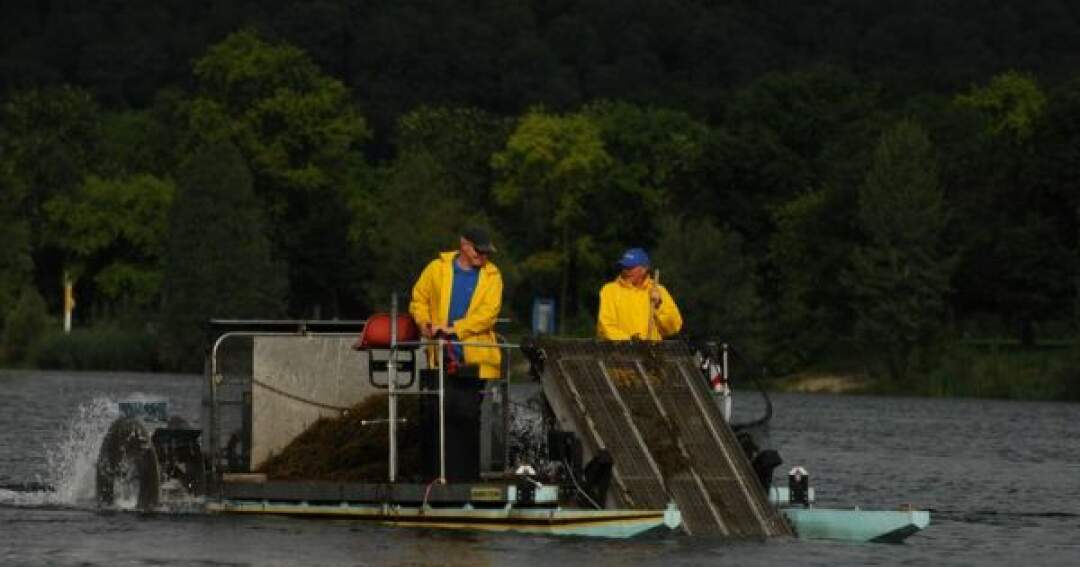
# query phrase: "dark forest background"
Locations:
[[892, 181]]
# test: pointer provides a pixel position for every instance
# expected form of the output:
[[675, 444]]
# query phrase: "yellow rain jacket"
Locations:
[[431, 304], [625, 311]]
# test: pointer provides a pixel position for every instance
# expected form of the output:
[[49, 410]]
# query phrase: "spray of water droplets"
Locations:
[[72, 461]]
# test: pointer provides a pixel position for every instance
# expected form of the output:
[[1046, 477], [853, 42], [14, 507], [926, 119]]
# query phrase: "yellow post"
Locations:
[[652, 307], [69, 302]]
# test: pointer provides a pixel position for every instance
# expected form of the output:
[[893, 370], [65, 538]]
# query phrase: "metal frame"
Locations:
[[440, 344], [682, 447], [302, 329]]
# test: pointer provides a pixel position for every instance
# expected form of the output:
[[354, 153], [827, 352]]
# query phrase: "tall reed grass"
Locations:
[[99, 348]]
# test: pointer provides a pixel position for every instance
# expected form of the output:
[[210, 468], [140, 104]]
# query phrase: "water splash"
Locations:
[[72, 461], [528, 442]]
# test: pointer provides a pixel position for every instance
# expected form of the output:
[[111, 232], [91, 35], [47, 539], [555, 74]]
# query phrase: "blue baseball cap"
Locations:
[[632, 258]]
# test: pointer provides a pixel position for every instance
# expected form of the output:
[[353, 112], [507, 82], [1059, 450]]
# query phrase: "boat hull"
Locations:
[[878, 526], [546, 521]]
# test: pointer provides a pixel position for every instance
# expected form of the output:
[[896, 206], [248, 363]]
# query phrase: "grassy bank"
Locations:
[[976, 368], [104, 348], [1006, 370], [979, 368]]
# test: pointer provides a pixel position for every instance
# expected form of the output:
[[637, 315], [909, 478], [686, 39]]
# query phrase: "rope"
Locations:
[[296, 398]]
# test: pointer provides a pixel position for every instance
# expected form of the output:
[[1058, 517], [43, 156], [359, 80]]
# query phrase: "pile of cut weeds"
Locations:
[[352, 447]]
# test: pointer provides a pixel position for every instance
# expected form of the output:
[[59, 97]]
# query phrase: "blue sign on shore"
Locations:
[[543, 316]]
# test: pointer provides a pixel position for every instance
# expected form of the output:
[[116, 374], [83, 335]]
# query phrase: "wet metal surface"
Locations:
[[648, 405]]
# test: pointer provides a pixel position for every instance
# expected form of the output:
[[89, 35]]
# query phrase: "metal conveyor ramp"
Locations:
[[647, 404]]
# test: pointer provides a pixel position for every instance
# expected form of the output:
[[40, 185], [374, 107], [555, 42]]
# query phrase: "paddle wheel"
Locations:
[[147, 456]]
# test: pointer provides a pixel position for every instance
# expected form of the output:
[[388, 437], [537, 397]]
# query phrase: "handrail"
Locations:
[[261, 329], [391, 379], [392, 394], [215, 377], [214, 381]]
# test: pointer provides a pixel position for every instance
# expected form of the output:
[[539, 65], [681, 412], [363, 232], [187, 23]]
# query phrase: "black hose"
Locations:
[[752, 369]]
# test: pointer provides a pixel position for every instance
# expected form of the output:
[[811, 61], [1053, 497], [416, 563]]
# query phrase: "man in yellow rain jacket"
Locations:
[[634, 306], [460, 293]]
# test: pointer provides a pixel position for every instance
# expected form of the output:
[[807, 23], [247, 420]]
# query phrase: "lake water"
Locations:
[[1002, 480]]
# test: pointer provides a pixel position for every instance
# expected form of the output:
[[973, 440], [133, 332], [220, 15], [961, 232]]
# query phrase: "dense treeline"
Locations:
[[507, 55], [896, 176]]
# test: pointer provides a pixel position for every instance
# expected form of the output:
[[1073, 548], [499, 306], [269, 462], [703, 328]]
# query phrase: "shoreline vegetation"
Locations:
[[976, 368], [982, 368]]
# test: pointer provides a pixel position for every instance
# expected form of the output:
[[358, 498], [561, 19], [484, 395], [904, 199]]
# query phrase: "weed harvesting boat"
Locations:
[[600, 439]]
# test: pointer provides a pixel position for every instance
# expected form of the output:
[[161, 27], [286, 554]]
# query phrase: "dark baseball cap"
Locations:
[[480, 239]]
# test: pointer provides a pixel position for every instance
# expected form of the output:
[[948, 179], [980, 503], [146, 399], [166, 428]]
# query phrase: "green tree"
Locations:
[[711, 279], [1035, 281], [900, 274], [219, 263], [48, 144], [116, 229], [655, 153], [16, 263], [1013, 103], [1057, 171], [439, 181], [549, 172], [299, 134], [808, 248], [1015, 215], [404, 234], [135, 142], [825, 117], [292, 123], [27, 323], [784, 135], [460, 141], [50, 137]]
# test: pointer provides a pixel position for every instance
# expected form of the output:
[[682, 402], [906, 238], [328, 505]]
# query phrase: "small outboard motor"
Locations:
[[591, 482], [762, 460], [799, 486], [596, 478]]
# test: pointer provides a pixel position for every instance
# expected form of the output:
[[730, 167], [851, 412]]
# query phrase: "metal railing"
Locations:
[[440, 344], [217, 378], [392, 386]]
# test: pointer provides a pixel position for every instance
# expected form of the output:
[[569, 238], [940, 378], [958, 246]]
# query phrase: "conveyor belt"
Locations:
[[648, 405]]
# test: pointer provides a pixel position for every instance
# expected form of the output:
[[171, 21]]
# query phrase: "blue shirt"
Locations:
[[461, 292]]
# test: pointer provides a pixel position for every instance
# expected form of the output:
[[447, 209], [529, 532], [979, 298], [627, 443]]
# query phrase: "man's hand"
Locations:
[[426, 330], [444, 329], [655, 297]]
